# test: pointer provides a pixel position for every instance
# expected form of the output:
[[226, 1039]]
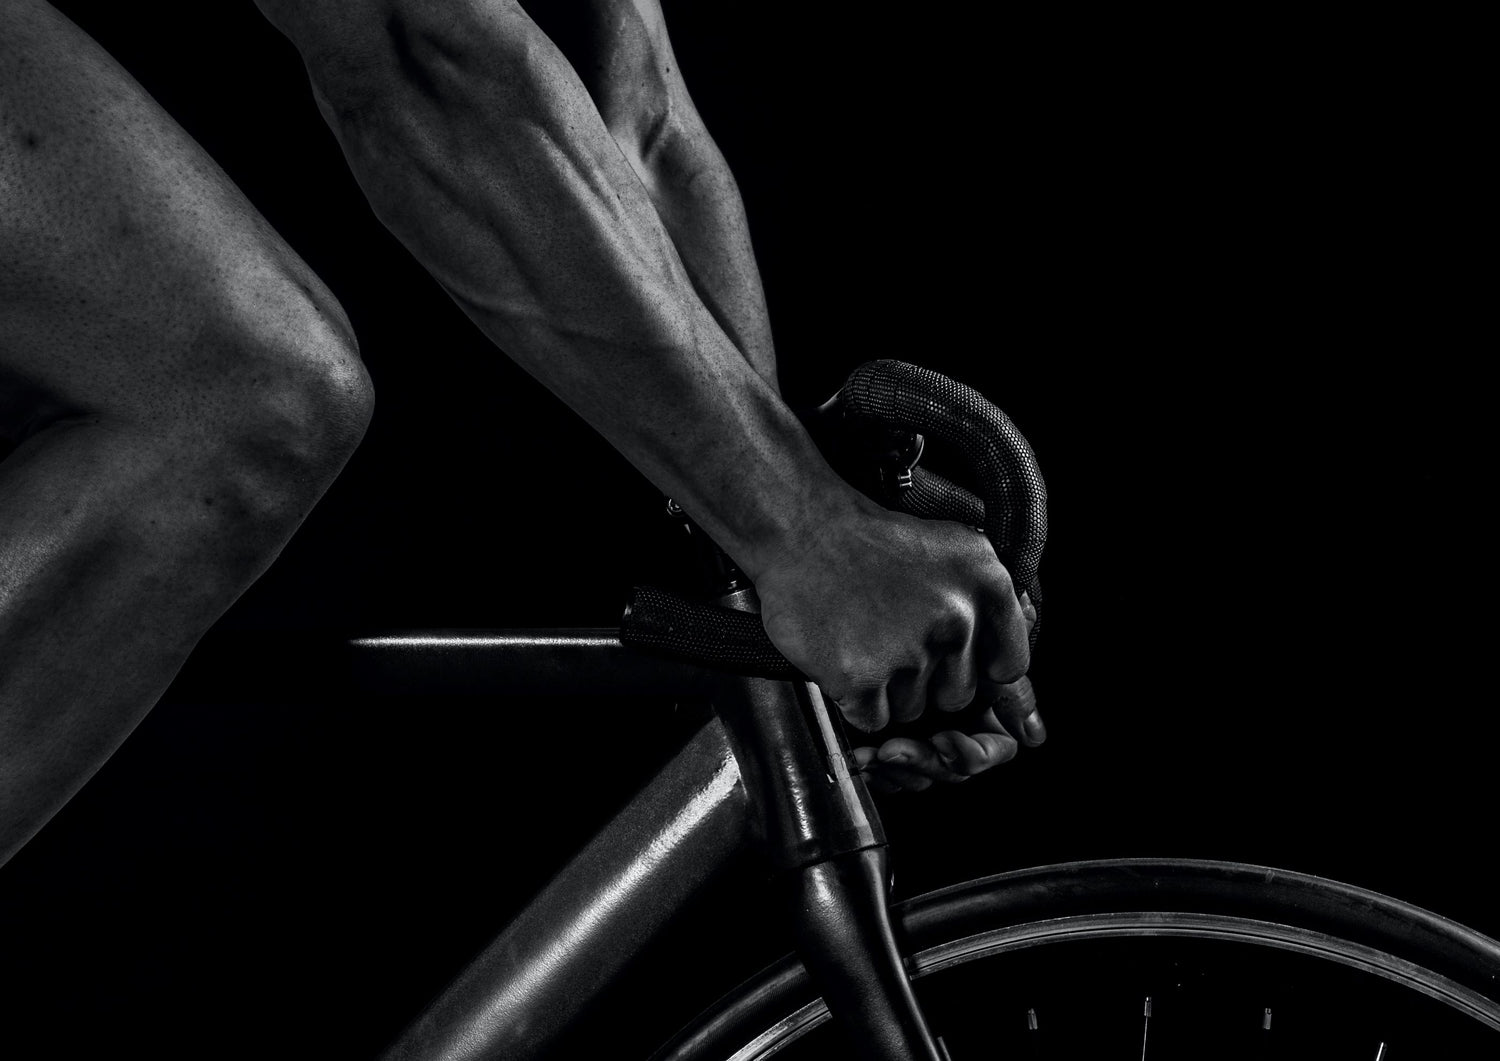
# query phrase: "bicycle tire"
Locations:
[[1177, 899]]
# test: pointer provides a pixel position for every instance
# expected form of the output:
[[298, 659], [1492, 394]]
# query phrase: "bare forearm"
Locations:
[[500, 176], [699, 203], [623, 54], [481, 150]]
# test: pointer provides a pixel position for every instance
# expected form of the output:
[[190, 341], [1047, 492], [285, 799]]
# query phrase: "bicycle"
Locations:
[[1234, 959]]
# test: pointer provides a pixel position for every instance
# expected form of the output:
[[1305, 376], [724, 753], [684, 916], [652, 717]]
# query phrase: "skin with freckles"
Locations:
[[578, 212], [180, 387], [624, 58], [622, 54]]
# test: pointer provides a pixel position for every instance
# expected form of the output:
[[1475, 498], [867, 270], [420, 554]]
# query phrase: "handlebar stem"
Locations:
[[809, 806], [818, 827]]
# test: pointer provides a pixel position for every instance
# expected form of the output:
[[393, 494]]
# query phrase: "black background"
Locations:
[[1204, 267]]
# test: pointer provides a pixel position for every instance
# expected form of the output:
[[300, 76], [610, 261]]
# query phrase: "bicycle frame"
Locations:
[[769, 771]]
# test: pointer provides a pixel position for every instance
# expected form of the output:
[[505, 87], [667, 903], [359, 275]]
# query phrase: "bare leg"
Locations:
[[183, 387], [629, 69]]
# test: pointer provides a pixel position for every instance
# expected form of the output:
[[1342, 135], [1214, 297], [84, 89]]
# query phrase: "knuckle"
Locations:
[[857, 672], [865, 712], [863, 719], [1010, 668], [1001, 580], [1010, 664], [906, 708], [846, 681], [1004, 616], [953, 624]]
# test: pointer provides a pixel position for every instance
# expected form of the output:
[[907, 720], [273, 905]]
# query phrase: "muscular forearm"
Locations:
[[623, 54], [699, 203], [482, 151]]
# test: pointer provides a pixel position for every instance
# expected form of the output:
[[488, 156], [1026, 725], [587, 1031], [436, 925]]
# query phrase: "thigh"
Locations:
[[124, 250]]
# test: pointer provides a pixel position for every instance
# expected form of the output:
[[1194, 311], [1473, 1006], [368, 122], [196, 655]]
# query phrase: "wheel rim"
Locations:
[[1152, 924], [1009, 896]]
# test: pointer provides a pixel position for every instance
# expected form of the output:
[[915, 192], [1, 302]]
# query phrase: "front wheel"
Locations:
[[1153, 959]]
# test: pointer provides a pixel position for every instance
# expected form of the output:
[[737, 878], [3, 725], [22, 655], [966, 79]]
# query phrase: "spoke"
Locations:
[[1036, 1035], [1380, 1052], [1145, 1027]]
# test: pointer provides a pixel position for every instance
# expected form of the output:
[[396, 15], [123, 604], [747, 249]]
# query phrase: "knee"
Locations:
[[306, 396], [282, 405]]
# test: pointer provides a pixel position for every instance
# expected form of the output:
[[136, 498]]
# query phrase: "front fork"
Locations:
[[814, 819]]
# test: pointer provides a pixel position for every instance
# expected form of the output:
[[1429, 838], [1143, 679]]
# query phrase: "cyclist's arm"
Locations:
[[480, 149], [625, 59], [628, 66]]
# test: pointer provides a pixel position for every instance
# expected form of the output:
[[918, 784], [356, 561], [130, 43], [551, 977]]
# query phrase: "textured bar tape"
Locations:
[[1010, 486], [656, 620], [933, 497], [1011, 509]]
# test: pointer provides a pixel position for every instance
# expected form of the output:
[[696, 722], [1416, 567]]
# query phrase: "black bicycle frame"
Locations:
[[769, 771]]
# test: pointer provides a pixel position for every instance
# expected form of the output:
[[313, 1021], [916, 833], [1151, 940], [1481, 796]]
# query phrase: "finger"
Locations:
[[954, 680], [1004, 636], [907, 693], [878, 780], [894, 777], [865, 709], [1015, 707], [915, 756], [974, 753], [1028, 612], [906, 779], [863, 757]]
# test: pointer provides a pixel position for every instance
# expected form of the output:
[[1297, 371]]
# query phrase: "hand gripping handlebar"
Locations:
[[1009, 504]]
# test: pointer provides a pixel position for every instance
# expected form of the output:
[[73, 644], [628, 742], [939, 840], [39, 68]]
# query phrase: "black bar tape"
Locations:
[[1011, 509], [933, 497], [1010, 485], [659, 621]]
